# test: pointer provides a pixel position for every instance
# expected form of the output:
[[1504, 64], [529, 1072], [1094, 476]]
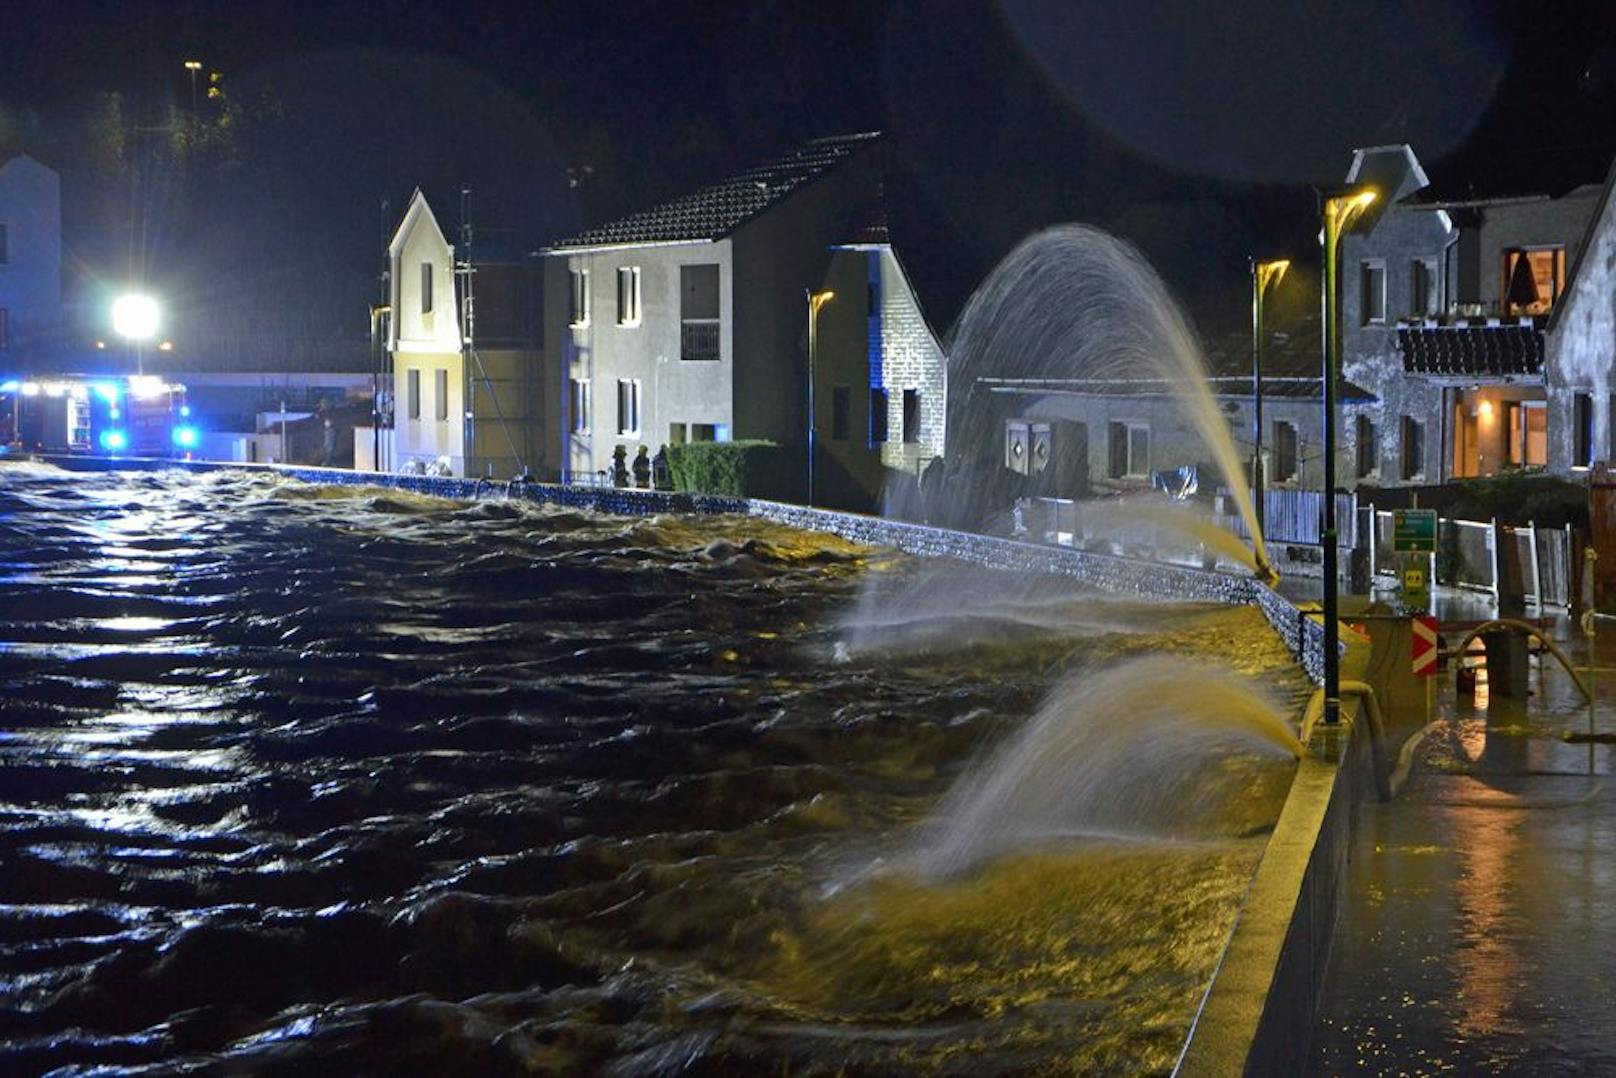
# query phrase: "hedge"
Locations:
[[747, 469]]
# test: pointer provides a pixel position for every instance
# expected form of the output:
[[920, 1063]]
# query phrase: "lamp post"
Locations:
[[193, 66], [816, 300], [135, 318], [1338, 210], [1263, 275]]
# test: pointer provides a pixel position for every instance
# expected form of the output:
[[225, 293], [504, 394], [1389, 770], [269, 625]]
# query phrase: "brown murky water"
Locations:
[[302, 779]]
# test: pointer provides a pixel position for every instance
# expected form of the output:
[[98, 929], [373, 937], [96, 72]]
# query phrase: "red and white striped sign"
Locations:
[[1424, 656]]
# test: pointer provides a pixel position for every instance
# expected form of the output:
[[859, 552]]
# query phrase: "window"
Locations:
[[582, 406], [5, 249], [440, 387], [698, 312], [1284, 452], [1533, 278], [677, 434], [1372, 294], [426, 288], [5, 328], [872, 299], [878, 416], [911, 415], [1582, 417], [413, 392], [628, 406], [1528, 433], [841, 413], [1130, 450], [1424, 298], [1364, 439], [578, 297], [1412, 448], [628, 296], [703, 432]]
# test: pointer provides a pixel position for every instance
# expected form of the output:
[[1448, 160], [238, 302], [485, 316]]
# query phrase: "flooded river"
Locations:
[[301, 779]]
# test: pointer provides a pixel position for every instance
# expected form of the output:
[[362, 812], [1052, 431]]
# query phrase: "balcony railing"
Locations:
[[698, 338]]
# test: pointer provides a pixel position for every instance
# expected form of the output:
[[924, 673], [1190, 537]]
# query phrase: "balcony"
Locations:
[[1479, 345], [699, 338]]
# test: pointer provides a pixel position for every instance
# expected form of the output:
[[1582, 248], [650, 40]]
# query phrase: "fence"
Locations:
[[1530, 562], [1295, 516]]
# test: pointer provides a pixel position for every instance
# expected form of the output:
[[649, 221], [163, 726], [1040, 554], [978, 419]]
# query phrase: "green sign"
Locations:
[[1414, 531]]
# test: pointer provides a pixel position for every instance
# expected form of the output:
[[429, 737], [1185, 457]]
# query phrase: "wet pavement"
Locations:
[[1476, 932]]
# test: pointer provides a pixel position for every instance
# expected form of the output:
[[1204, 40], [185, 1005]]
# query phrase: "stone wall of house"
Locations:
[[911, 358], [1581, 347]]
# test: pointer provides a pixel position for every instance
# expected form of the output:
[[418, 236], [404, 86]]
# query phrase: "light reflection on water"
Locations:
[[481, 787]]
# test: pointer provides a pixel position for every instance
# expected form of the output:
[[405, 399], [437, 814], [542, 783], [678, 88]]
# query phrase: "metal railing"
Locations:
[[1528, 562], [699, 338]]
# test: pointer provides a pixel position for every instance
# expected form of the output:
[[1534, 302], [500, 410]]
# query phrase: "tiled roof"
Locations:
[[1226, 386], [1499, 351], [716, 211]]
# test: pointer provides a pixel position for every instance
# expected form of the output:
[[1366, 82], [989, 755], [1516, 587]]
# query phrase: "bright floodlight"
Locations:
[[135, 317]]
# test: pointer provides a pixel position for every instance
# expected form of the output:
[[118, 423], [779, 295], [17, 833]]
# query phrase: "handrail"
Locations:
[[1530, 630], [1377, 729]]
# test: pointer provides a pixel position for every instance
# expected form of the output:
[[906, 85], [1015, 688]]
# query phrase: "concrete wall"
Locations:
[[31, 273], [422, 440]]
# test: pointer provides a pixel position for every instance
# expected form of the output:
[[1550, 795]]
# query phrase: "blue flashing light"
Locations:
[[185, 411], [114, 413], [185, 437], [107, 392], [114, 440], [10, 386]]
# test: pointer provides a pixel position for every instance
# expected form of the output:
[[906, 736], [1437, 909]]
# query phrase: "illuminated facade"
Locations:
[[30, 263]]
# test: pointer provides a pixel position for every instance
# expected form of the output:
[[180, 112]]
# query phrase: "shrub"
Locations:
[[749, 469], [1517, 497]]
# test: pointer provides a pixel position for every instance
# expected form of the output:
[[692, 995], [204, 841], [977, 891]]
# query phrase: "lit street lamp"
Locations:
[[135, 319], [1263, 275], [1339, 210], [816, 300], [193, 66]]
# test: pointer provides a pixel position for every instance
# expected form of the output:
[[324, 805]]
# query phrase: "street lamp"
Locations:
[[135, 319], [1339, 210], [193, 66], [816, 300], [1263, 275]]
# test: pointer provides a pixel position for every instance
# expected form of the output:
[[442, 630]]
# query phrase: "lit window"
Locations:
[[628, 406], [841, 413], [628, 296], [581, 406], [412, 393], [440, 385], [1372, 295], [1528, 433], [1533, 278], [578, 293], [426, 288], [678, 433]]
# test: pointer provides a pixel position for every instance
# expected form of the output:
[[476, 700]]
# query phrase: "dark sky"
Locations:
[[1196, 129]]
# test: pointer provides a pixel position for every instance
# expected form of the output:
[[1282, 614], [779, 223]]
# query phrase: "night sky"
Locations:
[[1197, 130]]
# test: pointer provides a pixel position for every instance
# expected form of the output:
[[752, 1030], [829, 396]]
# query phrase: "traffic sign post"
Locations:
[[1414, 531], [1424, 645]]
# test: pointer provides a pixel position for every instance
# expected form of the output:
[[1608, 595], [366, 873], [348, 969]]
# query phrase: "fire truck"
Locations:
[[126, 415]]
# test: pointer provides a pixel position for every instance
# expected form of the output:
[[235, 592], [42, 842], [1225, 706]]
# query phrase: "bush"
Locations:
[[1517, 497], [749, 469]]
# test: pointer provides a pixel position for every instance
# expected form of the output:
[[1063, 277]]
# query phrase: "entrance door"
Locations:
[[1466, 442]]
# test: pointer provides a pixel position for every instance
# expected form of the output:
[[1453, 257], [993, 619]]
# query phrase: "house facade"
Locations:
[[30, 262], [1446, 308], [689, 322], [464, 339]]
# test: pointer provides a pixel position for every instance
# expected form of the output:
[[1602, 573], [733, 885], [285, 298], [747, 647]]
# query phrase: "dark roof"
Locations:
[[716, 211], [1226, 386], [1499, 351]]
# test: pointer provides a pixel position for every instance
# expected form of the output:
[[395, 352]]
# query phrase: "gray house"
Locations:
[[30, 263], [689, 321], [1446, 309]]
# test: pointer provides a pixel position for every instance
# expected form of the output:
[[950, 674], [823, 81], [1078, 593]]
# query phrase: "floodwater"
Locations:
[[1475, 936], [305, 779]]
